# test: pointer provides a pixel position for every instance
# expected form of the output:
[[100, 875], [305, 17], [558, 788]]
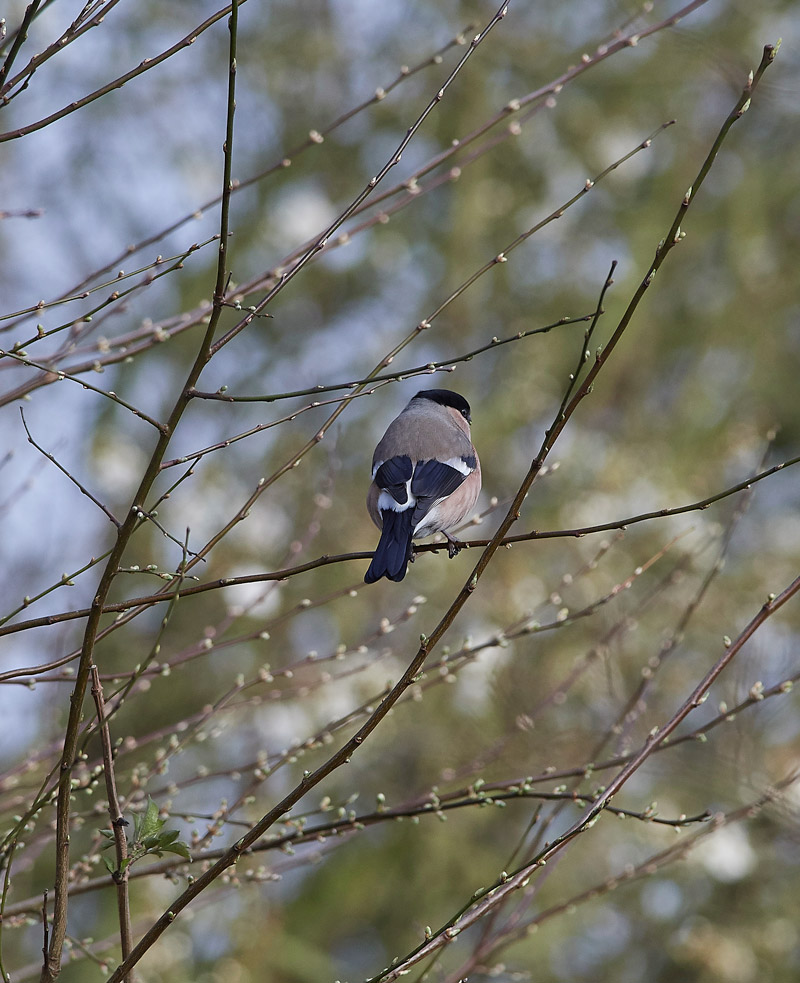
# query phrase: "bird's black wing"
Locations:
[[393, 476], [432, 482]]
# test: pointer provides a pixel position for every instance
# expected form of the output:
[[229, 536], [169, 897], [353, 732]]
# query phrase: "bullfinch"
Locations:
[[426, 478]]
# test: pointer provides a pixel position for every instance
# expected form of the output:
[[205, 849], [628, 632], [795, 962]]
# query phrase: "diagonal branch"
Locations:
[[72, 478]]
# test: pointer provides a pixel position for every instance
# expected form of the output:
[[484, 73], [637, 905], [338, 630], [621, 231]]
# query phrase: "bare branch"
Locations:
[[72, 478]]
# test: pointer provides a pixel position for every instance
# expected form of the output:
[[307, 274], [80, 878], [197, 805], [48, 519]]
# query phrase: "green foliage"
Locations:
[[149, 839]]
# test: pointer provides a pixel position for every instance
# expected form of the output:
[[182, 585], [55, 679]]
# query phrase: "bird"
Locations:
[[426, 478]]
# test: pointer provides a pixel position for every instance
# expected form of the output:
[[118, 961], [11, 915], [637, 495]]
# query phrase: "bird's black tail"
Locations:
[[394, 548]]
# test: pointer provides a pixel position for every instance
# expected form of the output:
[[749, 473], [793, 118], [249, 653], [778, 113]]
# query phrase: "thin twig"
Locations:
[[70, 298], [85, 491], [90, 16], [489, 898], [45, 926], [399, 375], [58, 375], [630, 712], [9, 859], [511, 933], [286, 159], [66, 580]]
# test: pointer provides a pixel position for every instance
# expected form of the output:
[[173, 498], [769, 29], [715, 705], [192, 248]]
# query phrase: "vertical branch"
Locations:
[[120, 875], [6, 885], [587, 337], [45, 927], [52, 966], [227, 166]]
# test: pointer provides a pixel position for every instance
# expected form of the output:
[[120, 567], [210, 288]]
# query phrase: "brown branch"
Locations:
[[59, 376], [628, 714], [326, 560], [400, 375], [432, 804], [505, 789], [178, 258], [490, 897], [336, 760], [75, 30], [118, 823], [515, 105], [84, 491], [513, 932], [8, 859]]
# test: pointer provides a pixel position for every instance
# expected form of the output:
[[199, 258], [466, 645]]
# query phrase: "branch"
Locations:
[[118, 823], [491, 897], [78, 27], [58, 376], [85, 491], [400, 375], [52, 967], [327, 560], [69, 298]]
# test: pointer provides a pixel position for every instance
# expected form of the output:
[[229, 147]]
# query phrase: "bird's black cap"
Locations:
[[446, 397]]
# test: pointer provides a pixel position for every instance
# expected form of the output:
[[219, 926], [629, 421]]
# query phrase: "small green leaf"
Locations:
[[110, 865], [150, 823], [180, 848]]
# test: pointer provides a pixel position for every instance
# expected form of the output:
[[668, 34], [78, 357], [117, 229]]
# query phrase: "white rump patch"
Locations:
[[386, 502]]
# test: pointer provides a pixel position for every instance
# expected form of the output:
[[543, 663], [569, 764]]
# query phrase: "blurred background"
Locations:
[[244, 688]]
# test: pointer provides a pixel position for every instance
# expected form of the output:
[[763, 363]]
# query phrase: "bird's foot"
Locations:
[[454, 546]]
